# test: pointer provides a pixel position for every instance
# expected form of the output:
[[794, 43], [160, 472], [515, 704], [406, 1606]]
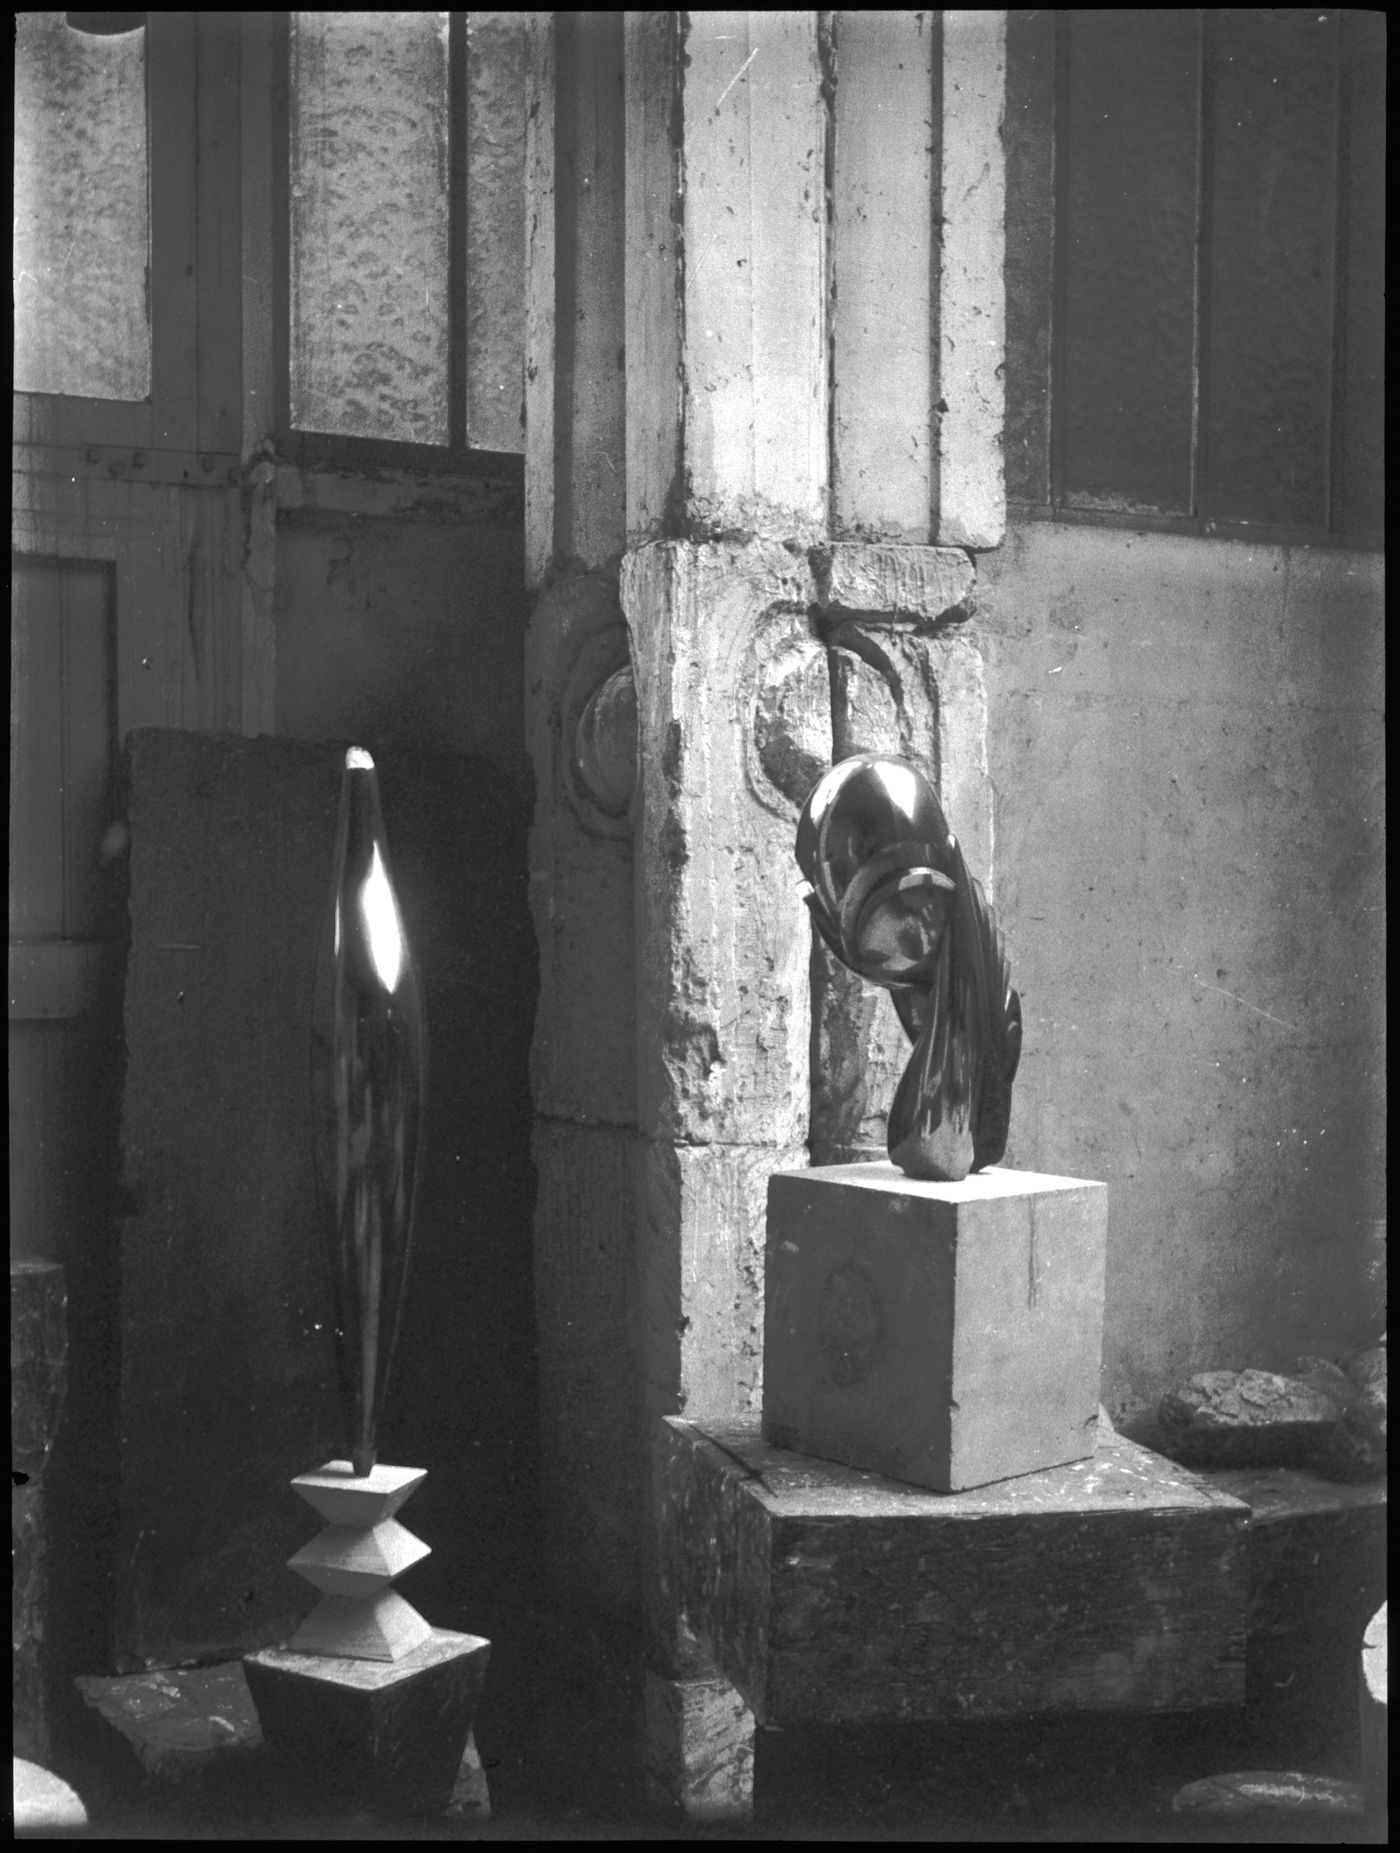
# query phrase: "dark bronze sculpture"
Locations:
[[367, 1070], [893, 900]]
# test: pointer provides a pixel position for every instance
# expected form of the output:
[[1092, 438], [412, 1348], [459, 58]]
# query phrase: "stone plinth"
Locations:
[[830, 1596], [385, 1731], [948, 1335]]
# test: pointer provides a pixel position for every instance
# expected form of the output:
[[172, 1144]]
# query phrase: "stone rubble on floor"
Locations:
[[1329, 1418]]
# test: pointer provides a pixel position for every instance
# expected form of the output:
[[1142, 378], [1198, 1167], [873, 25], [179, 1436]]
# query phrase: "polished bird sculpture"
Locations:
[[891, 896]]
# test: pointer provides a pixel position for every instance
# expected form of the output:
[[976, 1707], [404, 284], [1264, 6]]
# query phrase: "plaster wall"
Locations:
[[1185, 742]]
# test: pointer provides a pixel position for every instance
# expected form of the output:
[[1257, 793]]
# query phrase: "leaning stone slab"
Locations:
[[1248, 1418], [1282, 1793], [180, 1725]]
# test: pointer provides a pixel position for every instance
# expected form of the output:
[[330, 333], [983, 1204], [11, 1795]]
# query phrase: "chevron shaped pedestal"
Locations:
[[367, 1696]]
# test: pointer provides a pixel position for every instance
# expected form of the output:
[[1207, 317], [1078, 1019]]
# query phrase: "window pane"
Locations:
[[82, 221], [1127, 391], [1269, 368], [369, 225]]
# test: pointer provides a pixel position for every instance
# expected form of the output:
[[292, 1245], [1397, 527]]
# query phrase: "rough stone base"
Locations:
[[387, 1733]]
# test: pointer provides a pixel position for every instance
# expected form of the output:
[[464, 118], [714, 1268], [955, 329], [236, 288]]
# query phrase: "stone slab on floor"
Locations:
[[828, 1595], [192, 1729], [178, 1726]]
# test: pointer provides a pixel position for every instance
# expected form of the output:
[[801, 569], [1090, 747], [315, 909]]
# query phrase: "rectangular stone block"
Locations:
[[945, 1334], [831, 1596], [368, 1728]]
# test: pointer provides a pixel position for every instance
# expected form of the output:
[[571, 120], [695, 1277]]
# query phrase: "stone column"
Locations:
[[749, 522]]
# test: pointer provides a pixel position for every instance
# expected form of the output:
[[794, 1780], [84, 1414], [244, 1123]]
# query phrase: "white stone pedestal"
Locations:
[[949, 1335]]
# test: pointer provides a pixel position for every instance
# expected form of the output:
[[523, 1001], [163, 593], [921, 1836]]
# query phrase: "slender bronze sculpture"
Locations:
[[367, 1067], [892, 898], [367, 1695]]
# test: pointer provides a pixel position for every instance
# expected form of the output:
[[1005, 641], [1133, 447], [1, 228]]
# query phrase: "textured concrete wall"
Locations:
[[1185, 741]]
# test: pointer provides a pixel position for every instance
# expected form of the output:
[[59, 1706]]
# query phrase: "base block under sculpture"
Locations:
[[948, 1335], [391, 1732]]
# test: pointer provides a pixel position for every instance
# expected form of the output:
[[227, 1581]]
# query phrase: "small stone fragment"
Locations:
[[1364, 1367], [1271, 1791], [1248, 1418], [471, 1793], [1360, 1446], [1328, 1378]]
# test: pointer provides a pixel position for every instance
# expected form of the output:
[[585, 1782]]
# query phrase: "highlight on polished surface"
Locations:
[[368, 1049], [891, 896]]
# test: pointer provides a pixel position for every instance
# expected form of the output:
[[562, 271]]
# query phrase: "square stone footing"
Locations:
[[948, 1335], [373, 1730]]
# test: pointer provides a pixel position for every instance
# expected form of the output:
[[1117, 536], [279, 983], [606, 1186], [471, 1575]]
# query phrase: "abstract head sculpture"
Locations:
[[892, 898]]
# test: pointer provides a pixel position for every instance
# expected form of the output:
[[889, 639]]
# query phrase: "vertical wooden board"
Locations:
[[218, 229], [226, 1366], [1030, 248], [590, 383], [883, 211], [540, 285], [1268, 364], [497, 50], [1358, 450], [36, 748], [171, 69], [1126, 351], [88, 736], [755, 285], [653, 306], [971, 504]]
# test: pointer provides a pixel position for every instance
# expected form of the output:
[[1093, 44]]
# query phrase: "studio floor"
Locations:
[[563, 1765]]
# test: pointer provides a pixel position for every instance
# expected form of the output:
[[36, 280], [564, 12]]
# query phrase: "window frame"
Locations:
[[180, 412], [335, 450], [1037, 106]]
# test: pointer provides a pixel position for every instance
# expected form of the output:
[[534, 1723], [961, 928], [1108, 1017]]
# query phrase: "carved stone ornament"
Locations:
[[891, 895]]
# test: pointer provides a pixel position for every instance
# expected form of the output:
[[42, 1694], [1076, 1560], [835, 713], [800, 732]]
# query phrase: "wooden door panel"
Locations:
[[62, 960], [61, 747]]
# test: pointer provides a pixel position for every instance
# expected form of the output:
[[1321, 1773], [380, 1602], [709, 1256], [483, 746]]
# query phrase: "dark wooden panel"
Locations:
[[1358, 488], [219, 224], [1129, 195], [226, 1365], [36, 749], [61, 746], [1030, 248], [1272, 227]]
